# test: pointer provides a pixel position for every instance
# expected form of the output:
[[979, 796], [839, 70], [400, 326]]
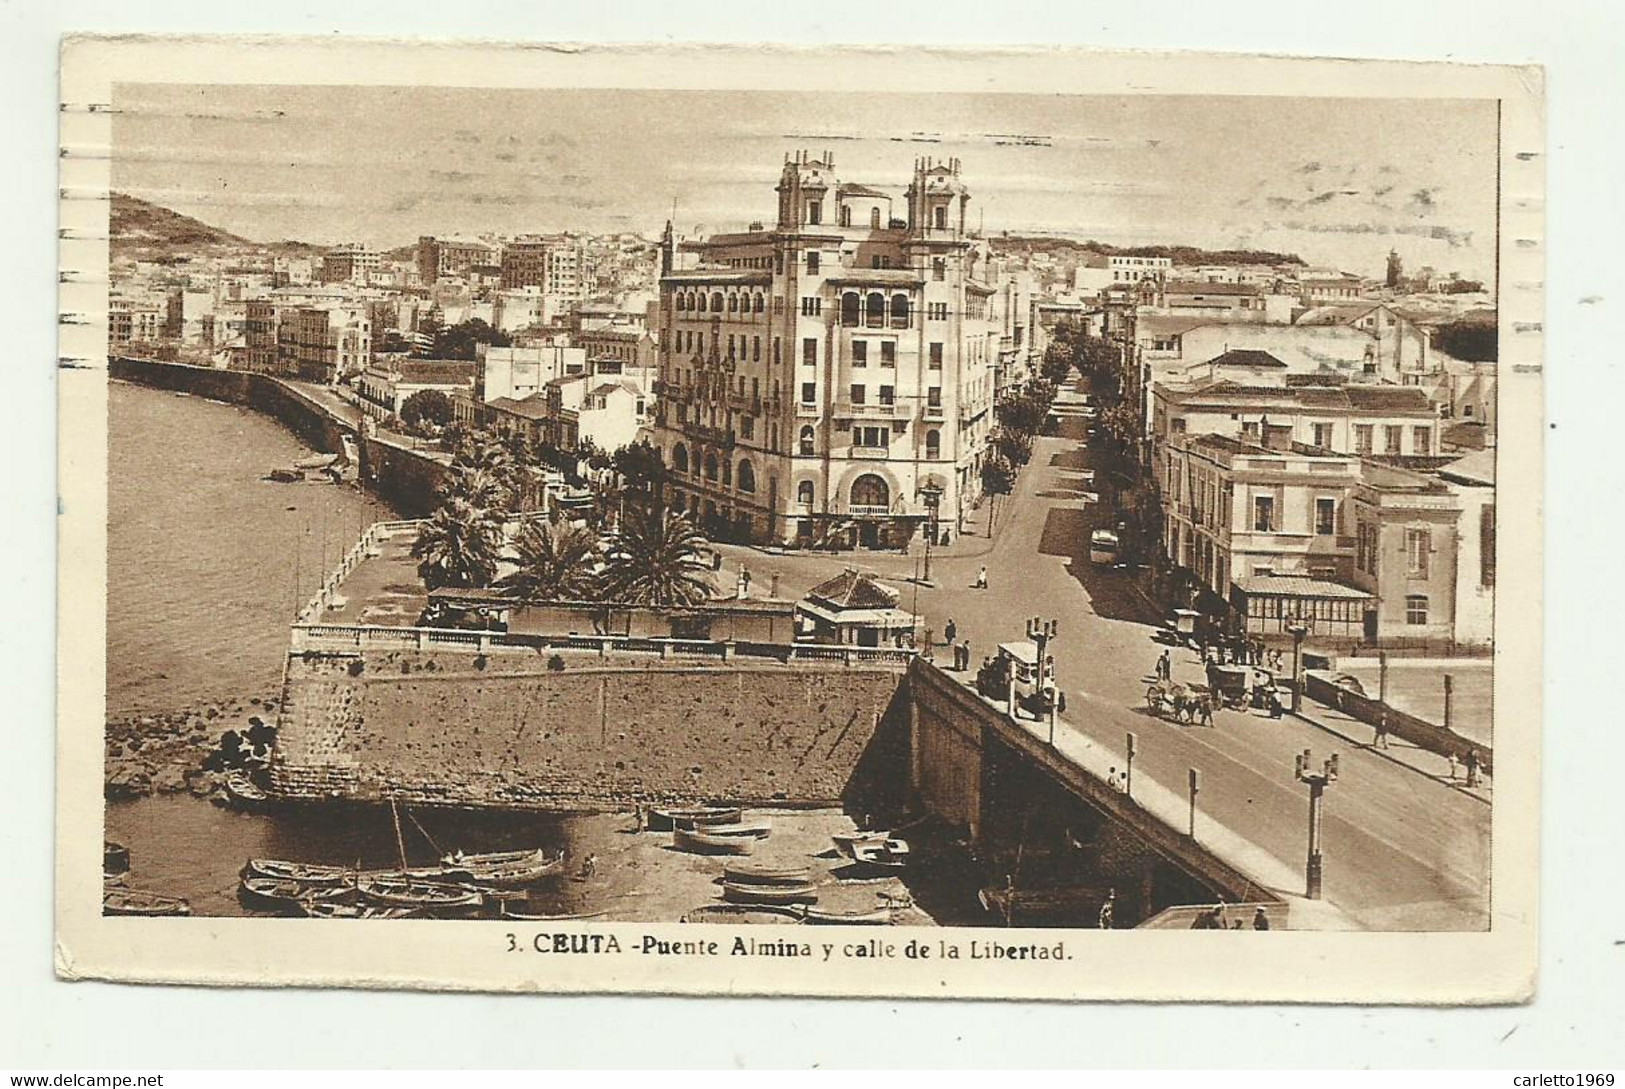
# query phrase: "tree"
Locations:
[[1012, 446], [459, 546], [476, 488], [1467, 339], [458, 341], [656, 558], [427, 406], [555, 563], [998, 478], [641, 467]]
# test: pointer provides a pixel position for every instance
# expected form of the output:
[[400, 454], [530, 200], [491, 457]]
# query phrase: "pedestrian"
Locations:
[[944, 541], [1472, 767], [930, 647], [1205, 705], [589, 866], [964, 654], [1165, 666], [1111, 777], [1106, 909], [1381, 740], [1450, 758], [981, 578], [949, 630], [1261, 921]]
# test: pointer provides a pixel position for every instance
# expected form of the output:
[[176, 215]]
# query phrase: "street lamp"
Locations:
[[1128, 774], [1043, 632], [1318, 781], [1297, 628], [931, 495]]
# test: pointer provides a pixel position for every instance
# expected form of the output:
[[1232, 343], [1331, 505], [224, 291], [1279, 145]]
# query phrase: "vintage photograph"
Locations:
[[1018, 513]]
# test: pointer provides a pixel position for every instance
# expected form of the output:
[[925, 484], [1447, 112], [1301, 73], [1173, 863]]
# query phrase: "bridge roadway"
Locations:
[[1402, 851]]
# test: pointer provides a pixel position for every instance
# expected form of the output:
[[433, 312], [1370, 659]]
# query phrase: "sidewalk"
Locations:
[[1416, 758]]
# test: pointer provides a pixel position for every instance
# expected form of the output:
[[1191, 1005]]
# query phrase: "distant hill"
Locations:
[[1026, 245], [141, 227]]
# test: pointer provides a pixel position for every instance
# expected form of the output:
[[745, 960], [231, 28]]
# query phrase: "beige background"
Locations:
[[1439, 968]]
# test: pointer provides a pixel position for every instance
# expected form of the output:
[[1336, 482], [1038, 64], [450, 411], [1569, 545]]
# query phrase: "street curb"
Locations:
[[1386, 755]]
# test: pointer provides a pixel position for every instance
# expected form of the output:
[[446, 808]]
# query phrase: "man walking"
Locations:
[[981, 578], [949, 630], [1381, 741], [1165, 666], [1472, 767], [964, 654]]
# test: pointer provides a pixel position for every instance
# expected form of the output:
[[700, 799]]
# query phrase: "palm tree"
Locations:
[[459, 546], [555, 563], [475, 487], [656, 558], [484, 453]]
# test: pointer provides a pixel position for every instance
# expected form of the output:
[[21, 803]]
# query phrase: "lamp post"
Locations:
[[1297, 629], [1318, 781], [1128, 773], [1043, 632], [931, 496]]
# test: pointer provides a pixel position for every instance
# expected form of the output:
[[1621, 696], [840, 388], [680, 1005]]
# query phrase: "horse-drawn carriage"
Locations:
[[1181, 702]]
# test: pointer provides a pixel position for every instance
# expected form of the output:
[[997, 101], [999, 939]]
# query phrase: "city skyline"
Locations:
[[301, 163]]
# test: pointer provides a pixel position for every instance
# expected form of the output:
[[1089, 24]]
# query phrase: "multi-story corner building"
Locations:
[[815, 378], [448, 258], [134, 321], [349, 263], [324, 342]]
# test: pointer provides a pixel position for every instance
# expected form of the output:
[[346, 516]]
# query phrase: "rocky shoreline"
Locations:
[[185, 751]]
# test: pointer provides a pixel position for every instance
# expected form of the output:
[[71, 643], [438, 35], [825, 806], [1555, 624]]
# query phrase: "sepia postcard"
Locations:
[[757, 520]]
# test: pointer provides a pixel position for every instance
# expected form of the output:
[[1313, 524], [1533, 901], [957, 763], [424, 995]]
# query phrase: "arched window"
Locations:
[[870, 495], [679, 458], [899, 311], [874, 219], [933, 445], [710, 467], [716, 302], [728, 472], [682, 301], [875, 309], [804, 493], [759, 302], [747, 477], [807, 441], [849, 308]]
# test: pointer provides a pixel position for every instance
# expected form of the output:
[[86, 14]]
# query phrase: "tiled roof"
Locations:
[[853, 590], [1245, 357], [1196, 287], [1389, 398], [1476, 468]]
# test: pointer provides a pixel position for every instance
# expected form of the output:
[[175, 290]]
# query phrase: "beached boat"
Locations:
[[757, 873], [115, 857], [702, 844], [117, 901], [762, 914], [491, 858], [395, 891], [737, 893], [306, 873], [244, 792], [819, 917], [1078, 905], [886, 854], [115, 880], [515, 874], [281, 894], [505, 912], [338, 909], [756, 829], [844, 841], [664, 820]]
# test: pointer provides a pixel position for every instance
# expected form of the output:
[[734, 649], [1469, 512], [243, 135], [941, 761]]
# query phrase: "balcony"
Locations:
[[932, 412], [850, 410], [808, 410], [716, 436]]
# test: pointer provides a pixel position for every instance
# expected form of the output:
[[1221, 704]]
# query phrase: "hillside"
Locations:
[[1071, 249], [139, 227]]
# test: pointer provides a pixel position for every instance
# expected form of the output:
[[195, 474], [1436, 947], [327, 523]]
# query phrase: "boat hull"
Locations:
[[664, 820], [701, 844], [141, 902], [768, 894], [733, 914], [747, 874]]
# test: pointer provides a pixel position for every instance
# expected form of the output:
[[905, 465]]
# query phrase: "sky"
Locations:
[[1338, 181]]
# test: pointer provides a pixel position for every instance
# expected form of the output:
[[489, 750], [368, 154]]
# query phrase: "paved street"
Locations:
[[1402, 850]]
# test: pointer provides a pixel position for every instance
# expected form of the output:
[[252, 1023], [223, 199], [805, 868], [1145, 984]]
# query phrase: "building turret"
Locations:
[[804, 188], [937, 199]]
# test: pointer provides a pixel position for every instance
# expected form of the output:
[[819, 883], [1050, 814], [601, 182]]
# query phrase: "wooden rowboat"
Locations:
[[757, 829], [763, 914], [845, 841], [115, 857], [873, 917], [768, 894], [459, 859], [664, 820], [280, 894], [306, 873], [753, 873], [702, 844], [406, 892], [141, 902], [512, 875], [336, 909], [890, 854], [244, 792]]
